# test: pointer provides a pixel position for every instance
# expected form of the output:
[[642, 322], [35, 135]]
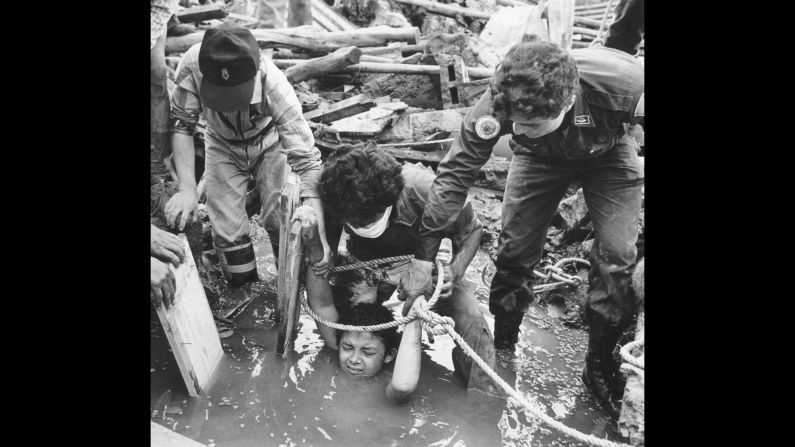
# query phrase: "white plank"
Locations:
[[190, 328], [162, 437]]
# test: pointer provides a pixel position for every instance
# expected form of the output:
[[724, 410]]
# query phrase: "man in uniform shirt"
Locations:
[[565, 112], [254, 127]]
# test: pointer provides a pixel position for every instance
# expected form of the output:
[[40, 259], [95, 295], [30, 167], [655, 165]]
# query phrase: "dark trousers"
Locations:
[[627, 29], [612, 185]]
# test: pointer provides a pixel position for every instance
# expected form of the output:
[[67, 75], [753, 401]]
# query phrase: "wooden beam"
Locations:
[[325, 64], [365, 124], [342, 109], [290, 249], [414, 155], [190, 328], [309, 39], [320, 8], [200, 14], [447, 10], [375, 67]]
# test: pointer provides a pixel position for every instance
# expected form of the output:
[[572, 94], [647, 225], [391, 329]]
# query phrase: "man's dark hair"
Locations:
[[359, 183], [536, 78], [368, 314]]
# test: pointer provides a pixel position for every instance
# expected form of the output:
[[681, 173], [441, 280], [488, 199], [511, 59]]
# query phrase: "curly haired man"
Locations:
[[379, 202], [567, 113]]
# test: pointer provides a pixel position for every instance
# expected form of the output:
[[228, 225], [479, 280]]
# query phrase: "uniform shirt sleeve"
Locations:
[[465, 225], [186, 106], [455, 175], [296, 137]]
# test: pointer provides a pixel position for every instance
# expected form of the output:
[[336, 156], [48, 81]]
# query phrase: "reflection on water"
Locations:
[[258, 398]]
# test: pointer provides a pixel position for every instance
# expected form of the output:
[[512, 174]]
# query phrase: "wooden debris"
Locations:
[[323, 13], [309, 39], [342, 109], [447, 9], [452, 75], [321, 65], [290, 250], [190, 328], [200, 13], [376, 67], [414, 155], [366, 124]]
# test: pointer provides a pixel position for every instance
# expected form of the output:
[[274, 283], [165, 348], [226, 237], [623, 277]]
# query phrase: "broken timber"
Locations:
[[290, 255], [190, 328], [376, 67], [342, 109], [308, 39], [447, 10], [200, 14], [318, 66]]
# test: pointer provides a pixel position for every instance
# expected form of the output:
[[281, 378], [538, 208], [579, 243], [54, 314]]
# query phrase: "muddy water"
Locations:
[[257, 398]]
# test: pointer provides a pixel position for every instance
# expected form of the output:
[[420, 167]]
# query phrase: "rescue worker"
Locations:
[[380, 202], [565, 112], [255, 127]]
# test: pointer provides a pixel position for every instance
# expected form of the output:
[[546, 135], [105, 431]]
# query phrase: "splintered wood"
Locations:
[[190, 328]]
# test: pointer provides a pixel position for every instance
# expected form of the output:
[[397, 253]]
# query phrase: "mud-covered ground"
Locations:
[[258, 398]]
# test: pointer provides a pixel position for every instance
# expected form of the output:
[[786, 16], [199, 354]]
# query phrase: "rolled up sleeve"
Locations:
[[295, 136], [186, 106]]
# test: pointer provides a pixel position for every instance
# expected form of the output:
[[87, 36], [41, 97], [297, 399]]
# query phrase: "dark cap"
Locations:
[[228, 60]]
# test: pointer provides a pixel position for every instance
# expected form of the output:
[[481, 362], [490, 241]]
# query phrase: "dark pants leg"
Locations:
[[627, 29], [612, 187], [471, 325], [534, 189]]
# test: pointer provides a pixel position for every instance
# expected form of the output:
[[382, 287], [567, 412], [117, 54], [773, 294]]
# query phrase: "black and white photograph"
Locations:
[[397, 223]]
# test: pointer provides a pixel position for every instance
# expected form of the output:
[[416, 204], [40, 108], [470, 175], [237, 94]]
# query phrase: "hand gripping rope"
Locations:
[[434, 323]]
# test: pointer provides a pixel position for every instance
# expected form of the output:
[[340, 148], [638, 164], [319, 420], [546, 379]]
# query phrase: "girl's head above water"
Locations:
[[364, 354]]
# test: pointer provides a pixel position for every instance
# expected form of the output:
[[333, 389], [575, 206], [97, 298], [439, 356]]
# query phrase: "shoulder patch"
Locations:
[[487, 127]]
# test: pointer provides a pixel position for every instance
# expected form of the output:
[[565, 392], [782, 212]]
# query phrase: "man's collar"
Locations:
[[581, 116], [256, 97]]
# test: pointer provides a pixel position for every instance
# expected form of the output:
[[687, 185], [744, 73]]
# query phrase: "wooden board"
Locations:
[[290, 243], [162, 437], [190, 328], [343, 109], [200, 13]]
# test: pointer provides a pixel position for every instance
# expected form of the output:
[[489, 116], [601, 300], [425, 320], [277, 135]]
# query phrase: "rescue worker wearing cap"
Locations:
[[255, 127], [566, 113]]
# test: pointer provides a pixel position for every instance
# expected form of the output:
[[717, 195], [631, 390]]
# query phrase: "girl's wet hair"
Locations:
[[368, 314], [536, 78]]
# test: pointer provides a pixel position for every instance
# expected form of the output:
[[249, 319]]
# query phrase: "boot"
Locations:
[[506, 329], [600, 368], [238, 263]]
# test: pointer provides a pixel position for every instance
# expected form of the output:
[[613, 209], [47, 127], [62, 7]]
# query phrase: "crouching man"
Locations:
[[255, 127], [380, 204]]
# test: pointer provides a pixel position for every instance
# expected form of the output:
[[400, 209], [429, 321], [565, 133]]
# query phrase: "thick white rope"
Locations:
[[434, 323]]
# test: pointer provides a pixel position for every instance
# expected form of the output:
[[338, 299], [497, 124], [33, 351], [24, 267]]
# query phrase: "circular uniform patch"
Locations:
[[487, 127]]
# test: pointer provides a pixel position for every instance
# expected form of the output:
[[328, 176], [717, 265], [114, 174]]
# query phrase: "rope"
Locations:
[[602, 25], [434, 323], [626, 353], [372, 263]]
